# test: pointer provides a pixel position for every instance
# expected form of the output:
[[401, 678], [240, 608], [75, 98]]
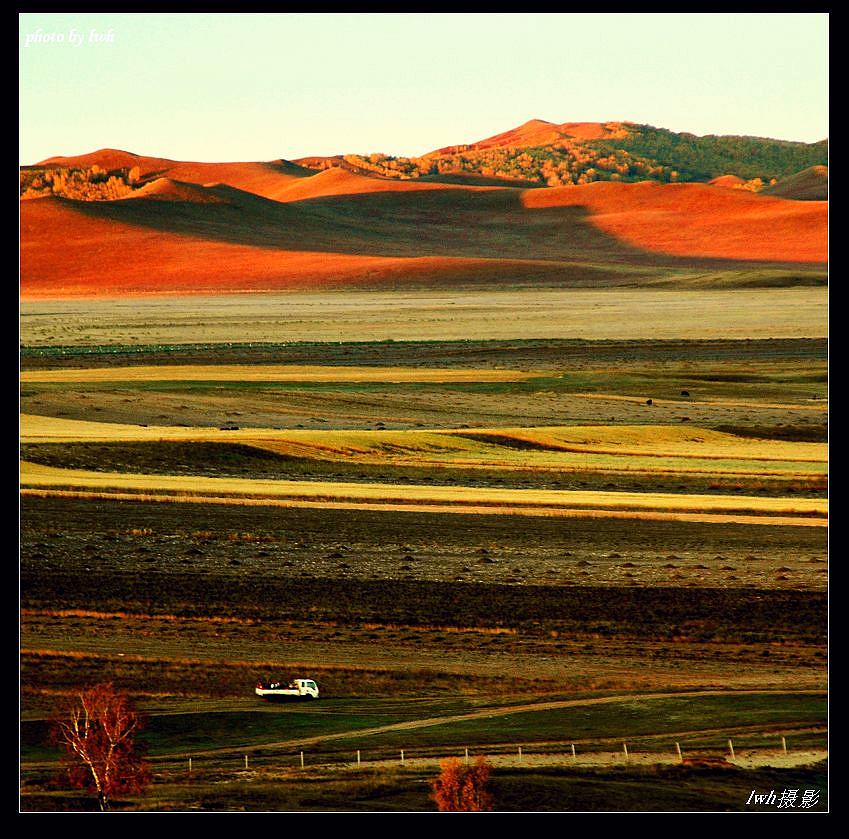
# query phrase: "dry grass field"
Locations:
[[467, 543], [586, 314], [634, 450], [640, 447], [268, 373], [532, 471], [510, 469]]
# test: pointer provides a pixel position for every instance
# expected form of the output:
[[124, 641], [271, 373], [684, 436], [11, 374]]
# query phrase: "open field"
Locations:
[[349, 466], [773, 409], [620, 451], [224, 459], [533, 784], [237, 539], [657, 460], [382, 728], [644, 447], [196, 587], [729, 508], [269, 373], [564, 745], [519, 448], [515, 314], [467, 544]]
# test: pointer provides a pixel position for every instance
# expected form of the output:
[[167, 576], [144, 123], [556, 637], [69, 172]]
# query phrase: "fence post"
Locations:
[[573, 751], [678, 749], [190, 764], [731, 748], [520, 752], [358, 758], [246, 761], [783, 744], [467, 756], [402, 757], [625, 749], [302, 760]]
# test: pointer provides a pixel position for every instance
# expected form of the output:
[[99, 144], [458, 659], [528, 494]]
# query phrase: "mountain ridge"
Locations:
[[537, 151], [113, 222]]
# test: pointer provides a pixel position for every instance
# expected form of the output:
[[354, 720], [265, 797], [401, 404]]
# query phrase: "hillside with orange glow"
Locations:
[[175, 227], [540, 132], [698, 220]]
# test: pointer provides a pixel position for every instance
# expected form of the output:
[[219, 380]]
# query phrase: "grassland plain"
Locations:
[[410, 615], [644, 314]]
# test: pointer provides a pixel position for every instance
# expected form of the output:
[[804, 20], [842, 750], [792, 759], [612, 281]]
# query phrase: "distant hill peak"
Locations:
[[541, 132], [108, 159], [61, 159], [535, 123]]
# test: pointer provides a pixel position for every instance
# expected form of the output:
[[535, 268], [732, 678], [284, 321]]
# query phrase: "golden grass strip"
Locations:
[[652, 441], [35, 475], [270, 373], [428, 504], [468, 509], [557, 445], [562, 463]]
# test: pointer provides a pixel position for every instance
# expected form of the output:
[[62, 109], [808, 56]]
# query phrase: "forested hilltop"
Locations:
[[535, 154], [574, 153]]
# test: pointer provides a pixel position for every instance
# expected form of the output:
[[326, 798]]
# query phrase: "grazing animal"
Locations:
[[649, 402], [685, 393]]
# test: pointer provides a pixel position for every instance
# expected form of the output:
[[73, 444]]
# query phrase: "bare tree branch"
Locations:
[[97, 731]]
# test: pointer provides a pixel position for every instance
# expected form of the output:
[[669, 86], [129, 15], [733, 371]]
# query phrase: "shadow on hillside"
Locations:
[[486, 224]]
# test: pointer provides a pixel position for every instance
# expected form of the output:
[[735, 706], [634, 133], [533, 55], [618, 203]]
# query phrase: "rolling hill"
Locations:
[[266, 179], [540, 132], [551, 154], [113, 222], [808, 185]]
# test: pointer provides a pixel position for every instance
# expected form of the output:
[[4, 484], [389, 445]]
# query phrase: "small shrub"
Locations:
[[460, 788]]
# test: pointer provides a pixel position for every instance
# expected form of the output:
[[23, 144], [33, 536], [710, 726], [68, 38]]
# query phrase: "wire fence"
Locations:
[[766, 751]]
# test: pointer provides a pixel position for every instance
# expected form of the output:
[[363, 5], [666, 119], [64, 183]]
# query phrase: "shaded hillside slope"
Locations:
[[808, 185], [699, 220], [339, 229]]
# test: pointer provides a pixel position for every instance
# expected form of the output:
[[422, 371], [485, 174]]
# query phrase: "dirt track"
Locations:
[[484, 714]]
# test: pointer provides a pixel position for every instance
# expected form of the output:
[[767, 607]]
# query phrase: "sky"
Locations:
[[228, 87]]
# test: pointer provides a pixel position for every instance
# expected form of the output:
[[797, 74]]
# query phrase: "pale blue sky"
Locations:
[[265, 86]]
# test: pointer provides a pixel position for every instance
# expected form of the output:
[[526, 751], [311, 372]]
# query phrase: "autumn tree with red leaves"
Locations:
[[97, 730], [460, 788]]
